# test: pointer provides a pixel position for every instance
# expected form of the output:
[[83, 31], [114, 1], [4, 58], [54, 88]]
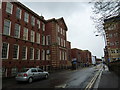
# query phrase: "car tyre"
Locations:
[[30, 80], [46, 76]]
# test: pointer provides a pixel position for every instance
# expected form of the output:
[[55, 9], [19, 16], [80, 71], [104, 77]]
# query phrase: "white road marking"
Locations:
[[61, 86], [90, 84]]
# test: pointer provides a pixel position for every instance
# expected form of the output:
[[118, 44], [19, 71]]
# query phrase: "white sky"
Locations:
[[77, 18]]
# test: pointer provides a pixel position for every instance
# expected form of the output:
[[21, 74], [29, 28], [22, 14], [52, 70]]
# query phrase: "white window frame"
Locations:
[[20, 12], [11, 8], [33, 54], [63, 55], [9, 27], [64, 43], [32, 36], [18, 33], [38, 38], [17, 52], [47, 54], [25, 35], [47, 57], [58, 40], [47, 39], [61, 42], [14, 71], [25, 53], [38, 23], [32, 20], [7, 51], [43, 26], [38, 54], [43, 40], [61, 30], [26, 17]]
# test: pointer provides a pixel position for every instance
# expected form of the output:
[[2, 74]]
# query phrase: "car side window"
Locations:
[[33, 70], [39, 70]]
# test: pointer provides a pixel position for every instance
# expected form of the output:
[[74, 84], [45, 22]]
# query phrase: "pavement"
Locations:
[[109, 80]]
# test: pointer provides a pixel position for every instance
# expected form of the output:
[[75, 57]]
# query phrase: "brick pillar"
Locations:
[[54, 47]]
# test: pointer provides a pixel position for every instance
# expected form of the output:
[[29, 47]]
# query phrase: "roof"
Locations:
[[62, 19], [76, 49], [41, 17], [59, 20]]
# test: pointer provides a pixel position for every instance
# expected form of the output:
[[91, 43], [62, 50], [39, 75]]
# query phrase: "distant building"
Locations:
[[87, 57], [76, 55], [93, 60], [112, 32], [98, 61], [83, 57]]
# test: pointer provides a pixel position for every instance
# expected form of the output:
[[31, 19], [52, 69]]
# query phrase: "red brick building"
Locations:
[[82, 56], [28, 40], [77, 54], [112, 32], [57, 29], [87, 57]]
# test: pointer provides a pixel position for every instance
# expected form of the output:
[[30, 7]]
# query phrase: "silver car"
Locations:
[[30, 74]]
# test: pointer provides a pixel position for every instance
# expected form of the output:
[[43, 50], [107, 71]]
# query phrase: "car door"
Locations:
[[34, 73], [40, 72]]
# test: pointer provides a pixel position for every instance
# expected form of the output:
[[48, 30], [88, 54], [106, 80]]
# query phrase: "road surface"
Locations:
[[65, 79]]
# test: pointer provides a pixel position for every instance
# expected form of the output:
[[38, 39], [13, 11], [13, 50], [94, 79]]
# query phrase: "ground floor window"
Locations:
[[4, 72], [5, 49], [14, 71]]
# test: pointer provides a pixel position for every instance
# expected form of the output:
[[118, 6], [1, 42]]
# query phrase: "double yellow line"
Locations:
[[91, 83]]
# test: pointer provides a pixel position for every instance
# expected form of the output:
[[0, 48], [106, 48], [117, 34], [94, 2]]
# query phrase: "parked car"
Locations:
[[30, 74]]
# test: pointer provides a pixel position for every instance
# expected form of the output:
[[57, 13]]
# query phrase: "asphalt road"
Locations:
[[65, 79]]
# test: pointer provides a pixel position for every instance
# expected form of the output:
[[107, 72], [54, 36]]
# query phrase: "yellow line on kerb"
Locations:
[[90, 84]]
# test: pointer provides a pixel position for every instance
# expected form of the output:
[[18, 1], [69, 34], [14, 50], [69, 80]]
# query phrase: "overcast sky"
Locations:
[[77, 18]]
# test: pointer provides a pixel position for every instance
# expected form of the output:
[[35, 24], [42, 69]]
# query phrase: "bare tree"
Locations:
[[104, 9]]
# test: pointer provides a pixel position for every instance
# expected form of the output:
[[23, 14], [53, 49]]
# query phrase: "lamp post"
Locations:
[[104, 37], [105, 42]]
